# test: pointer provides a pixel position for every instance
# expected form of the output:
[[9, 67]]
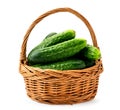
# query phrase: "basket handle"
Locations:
[[23, 48]]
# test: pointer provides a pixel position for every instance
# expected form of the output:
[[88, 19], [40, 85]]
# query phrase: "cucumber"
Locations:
[[63, 65], [89, 63], [50, 34], [57, 52], [54, 39], [58, 38], [91, 52]]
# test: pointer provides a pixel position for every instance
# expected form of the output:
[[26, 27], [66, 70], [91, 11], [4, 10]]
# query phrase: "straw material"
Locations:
[[55, 86]]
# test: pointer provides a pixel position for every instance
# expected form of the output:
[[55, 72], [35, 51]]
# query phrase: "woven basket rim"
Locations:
[[32, 71]]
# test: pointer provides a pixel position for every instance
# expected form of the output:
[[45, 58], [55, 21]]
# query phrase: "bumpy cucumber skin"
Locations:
[[54, 39], [63, 65], [58, 38], [57, 52], [91, 52]]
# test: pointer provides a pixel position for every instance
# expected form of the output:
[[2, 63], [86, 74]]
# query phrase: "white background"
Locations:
[[15, 18]]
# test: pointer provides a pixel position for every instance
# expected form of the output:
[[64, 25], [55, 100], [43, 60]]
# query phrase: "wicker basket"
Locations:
[[60, 87]]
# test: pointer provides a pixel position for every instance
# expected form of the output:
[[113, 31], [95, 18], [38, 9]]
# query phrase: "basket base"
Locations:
[[67, 101]]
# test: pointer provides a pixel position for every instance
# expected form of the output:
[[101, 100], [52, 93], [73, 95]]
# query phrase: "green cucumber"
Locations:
[[63, 65], [58, 38], [57, 52], [89, 63], [91, 52], [54, 39]]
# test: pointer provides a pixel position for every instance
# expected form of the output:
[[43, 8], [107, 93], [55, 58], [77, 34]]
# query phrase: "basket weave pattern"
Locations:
[[55, 86]]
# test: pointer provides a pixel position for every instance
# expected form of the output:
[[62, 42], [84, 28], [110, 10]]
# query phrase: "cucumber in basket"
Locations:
[[57, 38], [71, 64], [89, 52], [53, 38], [89, 63], [57, 52]]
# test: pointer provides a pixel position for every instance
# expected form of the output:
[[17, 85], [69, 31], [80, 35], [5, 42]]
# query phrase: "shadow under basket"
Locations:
[[55, 86]]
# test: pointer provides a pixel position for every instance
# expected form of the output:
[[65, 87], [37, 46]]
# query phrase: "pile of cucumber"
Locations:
[[62, 51]]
